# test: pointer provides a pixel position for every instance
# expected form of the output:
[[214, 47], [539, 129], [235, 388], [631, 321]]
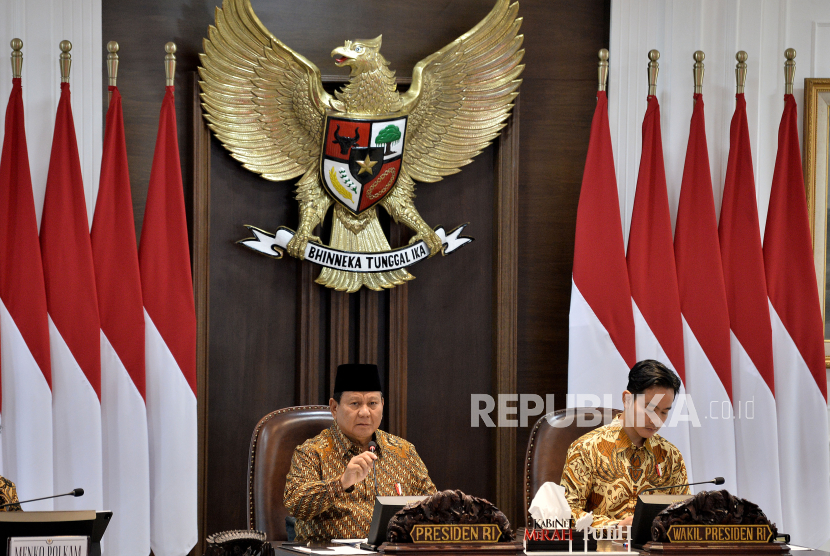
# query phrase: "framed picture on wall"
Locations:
[[816, 168]]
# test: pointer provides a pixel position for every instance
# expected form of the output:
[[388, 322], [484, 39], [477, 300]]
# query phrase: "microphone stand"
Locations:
[[373, 449], [76, 492], [715, 481]]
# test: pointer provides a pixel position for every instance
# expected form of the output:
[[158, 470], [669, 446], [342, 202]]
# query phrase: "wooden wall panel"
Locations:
[[255, 341], [253, 330], [505, 296], [200, 153], [308, 340], [450, 334], [368, 323], [436, 336], [338, 327], [558, 100]]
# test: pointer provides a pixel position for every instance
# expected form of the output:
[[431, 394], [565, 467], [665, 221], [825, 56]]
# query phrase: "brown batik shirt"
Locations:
[[314, 495], [8, 493], [605, 472]]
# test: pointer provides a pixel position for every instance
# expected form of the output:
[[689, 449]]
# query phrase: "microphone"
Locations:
[[715, 481], [76, 492], [373, 447]]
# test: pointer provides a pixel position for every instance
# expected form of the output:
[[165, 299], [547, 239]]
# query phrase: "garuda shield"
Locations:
[[361, 159]]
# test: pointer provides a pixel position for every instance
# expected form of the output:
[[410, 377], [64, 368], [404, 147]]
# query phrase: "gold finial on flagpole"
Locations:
[[170, 63], [698, 71], [17, 58], [740, 71], [603, 69], [789, 71], [653, 70], [65, 60], [112, 66]]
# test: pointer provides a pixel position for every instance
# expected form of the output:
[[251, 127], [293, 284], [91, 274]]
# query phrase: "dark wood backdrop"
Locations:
[[490, 318]]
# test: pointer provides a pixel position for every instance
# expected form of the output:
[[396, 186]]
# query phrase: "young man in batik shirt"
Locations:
[[607, 469]]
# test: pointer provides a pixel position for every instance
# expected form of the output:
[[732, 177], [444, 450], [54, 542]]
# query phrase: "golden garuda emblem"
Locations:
[[364, 146]]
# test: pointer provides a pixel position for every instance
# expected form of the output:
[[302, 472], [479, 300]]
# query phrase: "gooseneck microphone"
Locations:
[[75, 492], [715, 481], [373, 447]]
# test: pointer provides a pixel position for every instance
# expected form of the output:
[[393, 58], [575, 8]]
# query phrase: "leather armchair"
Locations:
[[549, 441], [272, 445]]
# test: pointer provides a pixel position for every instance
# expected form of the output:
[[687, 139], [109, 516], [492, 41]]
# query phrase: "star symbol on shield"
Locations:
[[366, 166]]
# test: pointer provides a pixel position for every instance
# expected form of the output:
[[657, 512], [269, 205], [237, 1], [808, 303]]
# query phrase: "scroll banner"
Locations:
[[272, 245]]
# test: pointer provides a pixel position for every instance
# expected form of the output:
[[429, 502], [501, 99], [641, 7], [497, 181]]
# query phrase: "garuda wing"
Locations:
[[461, 96], [458, 102], [264, 102]]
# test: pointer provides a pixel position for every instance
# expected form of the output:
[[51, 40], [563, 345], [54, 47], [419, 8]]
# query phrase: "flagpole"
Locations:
[[740, 71], [126, 454], [698, 71], [170, 324], [17, 58], [74, 326], [601, 338], [65, 60], [170, 64], [603, 69], [112, 66], [653, 70], [789, 71], [27, 437], [751, 338], [797, 338], [652, 267]]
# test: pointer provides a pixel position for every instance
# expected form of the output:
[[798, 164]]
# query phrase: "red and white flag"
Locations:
[[653, 278], [170, 319], [705, 312], [753, 383], [74, 329], [24, 325], [601, 323], [123, 411], [797, 346]]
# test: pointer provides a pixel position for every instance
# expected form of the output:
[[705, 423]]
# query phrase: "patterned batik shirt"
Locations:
[[8, 493], [324, 510], [605, 472]]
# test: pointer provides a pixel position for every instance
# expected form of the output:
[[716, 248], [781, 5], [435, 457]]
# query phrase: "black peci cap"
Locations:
[[357, 377]]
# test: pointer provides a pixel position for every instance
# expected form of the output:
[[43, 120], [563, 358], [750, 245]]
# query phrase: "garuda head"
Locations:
[[361, 55]]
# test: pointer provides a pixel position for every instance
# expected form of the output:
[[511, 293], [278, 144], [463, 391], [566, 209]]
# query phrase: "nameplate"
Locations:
[[719, 534], [48, 546], [455, 533]]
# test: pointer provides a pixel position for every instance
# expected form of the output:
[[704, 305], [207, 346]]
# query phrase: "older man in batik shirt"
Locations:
[[330, 488], [607, 469]]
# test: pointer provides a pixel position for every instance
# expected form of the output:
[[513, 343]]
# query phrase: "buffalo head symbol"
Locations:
[[345, 142]]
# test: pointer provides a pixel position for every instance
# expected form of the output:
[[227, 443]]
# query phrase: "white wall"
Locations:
[[42, 25], [720, 28]]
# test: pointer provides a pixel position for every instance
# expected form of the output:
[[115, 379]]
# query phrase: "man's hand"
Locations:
[[626, 522], [357, 469]]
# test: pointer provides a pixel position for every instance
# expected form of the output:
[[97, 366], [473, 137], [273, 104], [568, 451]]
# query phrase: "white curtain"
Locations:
[[42, 25]]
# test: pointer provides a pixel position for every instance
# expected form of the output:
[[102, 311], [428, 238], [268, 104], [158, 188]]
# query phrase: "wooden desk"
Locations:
[[505, 549], [609, 546], [410, 549]]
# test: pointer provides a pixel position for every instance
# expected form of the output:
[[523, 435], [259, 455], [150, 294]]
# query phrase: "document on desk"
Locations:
[[328, 550], [349, 542]]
